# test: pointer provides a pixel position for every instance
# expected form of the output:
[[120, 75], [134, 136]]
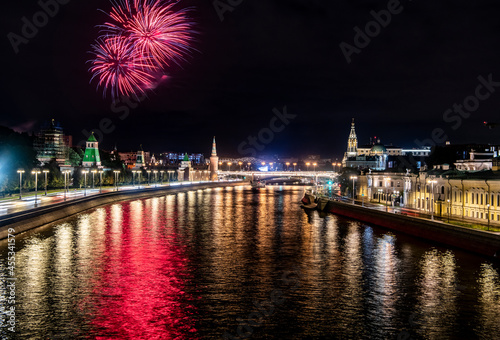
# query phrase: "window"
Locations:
[[498, 201], [455, 196], [380, 183], [442, 189], [472, 198], [481, 200], [466, 197]]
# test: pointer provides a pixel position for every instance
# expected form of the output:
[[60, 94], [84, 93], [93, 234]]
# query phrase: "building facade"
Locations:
[[459, 194], [49, 144]]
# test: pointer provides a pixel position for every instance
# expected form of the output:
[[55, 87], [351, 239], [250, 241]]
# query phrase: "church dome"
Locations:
[[378, 149]]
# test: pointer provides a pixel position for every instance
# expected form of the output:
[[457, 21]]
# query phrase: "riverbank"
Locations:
[[477, 241], [26, 220]]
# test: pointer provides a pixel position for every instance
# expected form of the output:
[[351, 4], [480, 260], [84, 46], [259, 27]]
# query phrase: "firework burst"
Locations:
[[143, 38], [120, 67]]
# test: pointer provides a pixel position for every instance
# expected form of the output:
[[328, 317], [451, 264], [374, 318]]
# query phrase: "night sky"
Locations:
[[269, 54]]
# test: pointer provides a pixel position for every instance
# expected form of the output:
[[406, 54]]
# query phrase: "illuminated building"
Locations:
[[214, 162], [91, 158], [49, 144], [377, 156]]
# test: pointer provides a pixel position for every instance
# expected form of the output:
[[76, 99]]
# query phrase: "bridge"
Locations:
[[274, 174]]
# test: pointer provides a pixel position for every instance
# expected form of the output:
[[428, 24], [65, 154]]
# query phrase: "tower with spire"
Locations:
[[214, 162], [91, 158], [139, 160], [352, 145]]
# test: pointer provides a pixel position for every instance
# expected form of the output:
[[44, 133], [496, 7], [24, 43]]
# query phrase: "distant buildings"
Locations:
[[377, 156]]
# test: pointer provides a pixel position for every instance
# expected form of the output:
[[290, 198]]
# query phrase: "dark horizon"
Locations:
[[269, 55]]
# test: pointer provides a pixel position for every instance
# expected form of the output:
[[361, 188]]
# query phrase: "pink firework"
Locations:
[[155, 29], [121, 68]]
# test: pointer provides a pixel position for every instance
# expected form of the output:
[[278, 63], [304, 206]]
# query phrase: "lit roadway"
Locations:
[[16, 205]]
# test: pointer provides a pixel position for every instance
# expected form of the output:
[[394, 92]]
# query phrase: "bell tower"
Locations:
[[352, 143]]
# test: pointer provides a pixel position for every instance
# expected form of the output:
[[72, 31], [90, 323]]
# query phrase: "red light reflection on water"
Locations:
[[139, 291]]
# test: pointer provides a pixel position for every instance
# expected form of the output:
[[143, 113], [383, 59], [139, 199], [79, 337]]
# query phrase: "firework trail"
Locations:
[[120, 67], [152, 36]]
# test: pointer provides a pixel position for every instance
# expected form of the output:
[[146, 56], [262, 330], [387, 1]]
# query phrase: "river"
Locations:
[[241, 264]]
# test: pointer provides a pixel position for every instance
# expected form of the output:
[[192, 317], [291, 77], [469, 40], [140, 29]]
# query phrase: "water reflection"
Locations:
[[436, 308], [197, 264]]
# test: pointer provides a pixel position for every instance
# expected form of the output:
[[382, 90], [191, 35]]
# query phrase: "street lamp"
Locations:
[[45, 172], [156, 177], [449, 211], [339, 165], [36, 173], [85, 172], [387, 181], [149, 177], [432, 197], [353, 191], [93, 174], [249, 166], [100, 181], [294, 165], [20, 172], [271, 165], [488, 217], [66, 174], [333, 167], [314, 165], [307, 165], [240, 164], [287, 166], [161, 176], [229, 164], [116, 178]]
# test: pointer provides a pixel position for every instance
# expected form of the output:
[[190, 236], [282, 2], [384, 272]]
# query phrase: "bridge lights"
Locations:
[[307, 165], [294, 165], [287, 165]]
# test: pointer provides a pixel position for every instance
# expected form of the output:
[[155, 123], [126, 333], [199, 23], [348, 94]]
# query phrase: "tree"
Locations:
[[75, 156], [345, 180], [16, 152]]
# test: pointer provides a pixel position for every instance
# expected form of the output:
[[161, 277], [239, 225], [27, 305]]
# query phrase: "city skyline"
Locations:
[[414, 80]]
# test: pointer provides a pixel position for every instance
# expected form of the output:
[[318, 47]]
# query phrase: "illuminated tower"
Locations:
[[214, 162], [91, 157], [352, 145], [139, 160]]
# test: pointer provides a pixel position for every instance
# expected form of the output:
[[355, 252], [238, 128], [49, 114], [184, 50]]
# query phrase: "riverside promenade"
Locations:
[[478, 241], [27, 215]]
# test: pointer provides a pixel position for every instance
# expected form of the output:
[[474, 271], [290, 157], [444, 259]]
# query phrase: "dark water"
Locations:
[[237, 264]]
